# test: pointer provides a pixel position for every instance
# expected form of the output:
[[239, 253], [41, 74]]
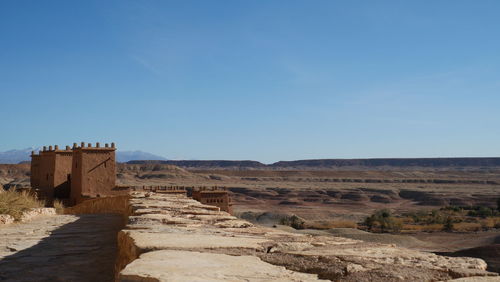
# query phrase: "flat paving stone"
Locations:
[[60, 248]]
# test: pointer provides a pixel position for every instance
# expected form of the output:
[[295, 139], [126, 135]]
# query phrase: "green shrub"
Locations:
[[448, 224], [452, 208], [481, 212], [384, 220]]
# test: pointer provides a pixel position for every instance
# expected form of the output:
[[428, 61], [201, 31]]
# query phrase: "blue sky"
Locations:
[[261, 80]]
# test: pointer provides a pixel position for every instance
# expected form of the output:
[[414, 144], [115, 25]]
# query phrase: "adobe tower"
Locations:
[[50, 172], [93, 172]]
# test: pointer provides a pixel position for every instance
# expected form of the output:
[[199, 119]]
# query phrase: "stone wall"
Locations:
[[174, 238], [62, 171], [109, 205], [218, 198], [93, 173]]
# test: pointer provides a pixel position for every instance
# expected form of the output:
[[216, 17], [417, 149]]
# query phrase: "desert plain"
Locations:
[[336, 201]]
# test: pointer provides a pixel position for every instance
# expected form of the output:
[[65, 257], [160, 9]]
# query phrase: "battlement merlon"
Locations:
[[97, 147], [55, 148], [100, 149]]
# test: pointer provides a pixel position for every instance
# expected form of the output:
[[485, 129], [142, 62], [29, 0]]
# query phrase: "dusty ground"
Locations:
[[60, 248], [317, 195], [327, 195], [182, 234], [484, 244], [333, 194], [352, 195]]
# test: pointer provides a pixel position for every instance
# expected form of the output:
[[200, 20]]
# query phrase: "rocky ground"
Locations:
[[316, 194], [328, 196], [175, 238], [165, 227]]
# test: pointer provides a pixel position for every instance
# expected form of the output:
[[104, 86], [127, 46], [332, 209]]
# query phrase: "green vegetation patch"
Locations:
[[450, 218]]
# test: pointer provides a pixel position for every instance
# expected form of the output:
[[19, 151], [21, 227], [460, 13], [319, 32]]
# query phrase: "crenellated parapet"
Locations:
[[69, 149], [76, 172], [97, 146]]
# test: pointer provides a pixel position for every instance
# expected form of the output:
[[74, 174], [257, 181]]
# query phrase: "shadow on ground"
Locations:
[[83, 248], [490, 254]]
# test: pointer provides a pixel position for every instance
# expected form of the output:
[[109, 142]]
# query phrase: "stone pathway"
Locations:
[[60, 248]]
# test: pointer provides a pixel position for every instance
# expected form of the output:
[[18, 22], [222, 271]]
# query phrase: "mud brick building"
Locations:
[[50, 172], [93, 172], [86, 171], [75, 174], [214, 196]]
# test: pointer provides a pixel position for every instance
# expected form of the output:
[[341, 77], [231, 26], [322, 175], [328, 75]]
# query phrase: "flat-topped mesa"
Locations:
[[75, 173], [215, 196]]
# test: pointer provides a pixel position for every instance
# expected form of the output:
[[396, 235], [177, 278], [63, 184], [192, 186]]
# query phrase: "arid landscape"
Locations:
[[172, 141], [335, 201]]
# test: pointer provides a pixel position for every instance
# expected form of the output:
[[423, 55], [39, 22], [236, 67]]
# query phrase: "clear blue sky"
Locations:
[[261, 80]]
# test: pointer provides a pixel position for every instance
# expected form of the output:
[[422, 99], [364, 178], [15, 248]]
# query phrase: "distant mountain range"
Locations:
[[352, 164], [140, 157], [126, 156], [17, 156]]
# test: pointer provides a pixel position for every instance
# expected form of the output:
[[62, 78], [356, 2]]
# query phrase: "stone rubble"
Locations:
[[6, 219], [36, 212], [174, 238], [27, 215]]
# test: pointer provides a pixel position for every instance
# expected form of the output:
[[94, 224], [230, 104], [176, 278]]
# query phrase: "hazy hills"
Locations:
[[393, 162], [125, 156], [16, 156], [336, 163], [141, 157]]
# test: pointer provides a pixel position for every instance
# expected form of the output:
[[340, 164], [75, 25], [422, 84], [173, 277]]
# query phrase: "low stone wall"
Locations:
[[175, 238], [108, 205]]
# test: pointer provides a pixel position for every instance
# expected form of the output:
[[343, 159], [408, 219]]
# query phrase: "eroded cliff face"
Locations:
[[174, 238]]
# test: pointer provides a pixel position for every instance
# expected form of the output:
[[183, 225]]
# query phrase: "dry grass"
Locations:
[[331, 224], [423, 227], [467, 226], [59, 206], [483, 224], [15, 203], [491, 222]]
